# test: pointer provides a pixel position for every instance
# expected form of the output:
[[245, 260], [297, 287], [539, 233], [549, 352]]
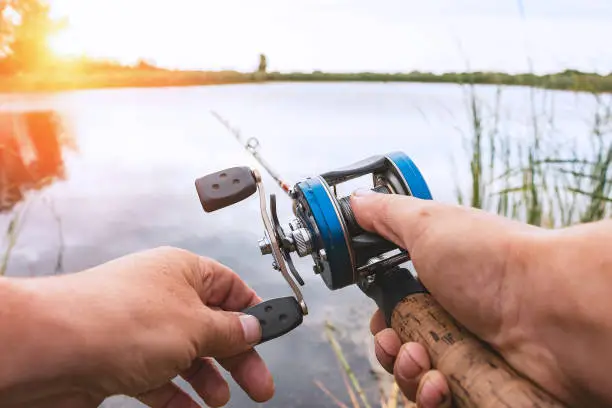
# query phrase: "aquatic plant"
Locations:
[[393, 399], [538, 178]]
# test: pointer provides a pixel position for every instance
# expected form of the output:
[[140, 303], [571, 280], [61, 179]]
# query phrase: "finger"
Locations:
[[433, 391], [380, 213], [208, 382], [224, 334], [251, 374], [403, 219], [387, 345], [410, 365], [377, 322], [169, 395], [220, 286], [216, 284]]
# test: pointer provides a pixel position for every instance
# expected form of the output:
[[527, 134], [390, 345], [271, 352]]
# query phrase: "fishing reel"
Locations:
[[324, 228], [343, 254]]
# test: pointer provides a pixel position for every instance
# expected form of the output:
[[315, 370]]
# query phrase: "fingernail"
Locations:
[[362, 192], [430, 396], [412, 368], [251, 328]]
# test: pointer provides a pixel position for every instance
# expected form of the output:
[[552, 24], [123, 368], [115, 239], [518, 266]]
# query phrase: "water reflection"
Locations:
[[31, 154]]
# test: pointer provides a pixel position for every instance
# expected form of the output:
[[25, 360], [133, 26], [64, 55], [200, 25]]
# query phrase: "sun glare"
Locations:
[[84, 37], [198, 34], [63, 45], [87, 43]]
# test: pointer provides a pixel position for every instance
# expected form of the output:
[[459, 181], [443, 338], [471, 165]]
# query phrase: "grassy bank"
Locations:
[[120, 77], [567, 80]]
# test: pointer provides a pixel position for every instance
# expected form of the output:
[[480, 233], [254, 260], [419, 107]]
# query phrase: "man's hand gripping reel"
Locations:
[[344, 254]]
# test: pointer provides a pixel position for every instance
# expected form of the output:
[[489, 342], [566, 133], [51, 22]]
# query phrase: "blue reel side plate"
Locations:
[[323, 218]]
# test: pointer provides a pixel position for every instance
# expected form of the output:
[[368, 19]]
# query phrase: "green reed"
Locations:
[[534, 177], [355, 392]]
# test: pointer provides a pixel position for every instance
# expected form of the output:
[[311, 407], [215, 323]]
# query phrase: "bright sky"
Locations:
[[344, 35]]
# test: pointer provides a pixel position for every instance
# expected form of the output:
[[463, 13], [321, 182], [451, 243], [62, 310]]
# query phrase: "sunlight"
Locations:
[[75, 43], [87, 33], [156, 37], [63, 45], [307, 34]]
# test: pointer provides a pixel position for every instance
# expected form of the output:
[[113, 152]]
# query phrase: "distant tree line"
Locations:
[[566, 80], [26, 26]]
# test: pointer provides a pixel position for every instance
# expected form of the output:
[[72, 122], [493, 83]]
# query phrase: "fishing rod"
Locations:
[[252, 146]]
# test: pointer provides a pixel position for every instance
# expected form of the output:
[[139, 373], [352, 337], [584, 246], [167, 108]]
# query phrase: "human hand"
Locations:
[[508, 283], [132, 325]]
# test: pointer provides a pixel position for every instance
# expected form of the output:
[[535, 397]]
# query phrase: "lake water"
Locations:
[[129, 186]]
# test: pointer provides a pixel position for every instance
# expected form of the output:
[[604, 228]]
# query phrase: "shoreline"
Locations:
[[158, 78]]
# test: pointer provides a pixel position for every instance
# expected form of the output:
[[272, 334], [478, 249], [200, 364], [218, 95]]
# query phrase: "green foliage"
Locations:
[[354, 389], [24, 38], [4, 27], [530, 177]]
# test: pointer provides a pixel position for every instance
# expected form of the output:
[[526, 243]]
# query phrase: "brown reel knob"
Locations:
[[226, 187]]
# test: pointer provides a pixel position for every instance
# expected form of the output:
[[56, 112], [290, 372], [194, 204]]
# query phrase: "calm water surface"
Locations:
[[129, 187]]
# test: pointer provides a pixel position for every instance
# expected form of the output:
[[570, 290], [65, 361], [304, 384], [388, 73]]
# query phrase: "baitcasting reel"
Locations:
[[324, 228], [343, 254]]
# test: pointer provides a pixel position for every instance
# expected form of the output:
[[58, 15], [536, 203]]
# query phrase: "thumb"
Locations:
[[227, 334], [398, 218]]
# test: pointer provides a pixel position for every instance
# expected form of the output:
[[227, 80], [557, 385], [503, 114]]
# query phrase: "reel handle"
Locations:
[[277, 317], [477, 376]]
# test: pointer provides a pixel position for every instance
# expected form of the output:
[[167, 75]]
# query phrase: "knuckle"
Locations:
[[189, 355], [384, 211], [166, 250], [424, 214], [423, 225], [170, 258], [194, 336], [387, 203]]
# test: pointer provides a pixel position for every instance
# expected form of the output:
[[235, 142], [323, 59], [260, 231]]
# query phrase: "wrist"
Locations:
[[570, 280], [38, 341]]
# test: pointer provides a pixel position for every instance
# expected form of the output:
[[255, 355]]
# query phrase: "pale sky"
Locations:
[[344, 35]]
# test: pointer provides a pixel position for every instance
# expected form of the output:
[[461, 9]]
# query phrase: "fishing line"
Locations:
[[252, 146]]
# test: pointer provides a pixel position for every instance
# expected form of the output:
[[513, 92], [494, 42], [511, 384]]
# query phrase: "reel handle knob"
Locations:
[[276, 317], [226, 187]]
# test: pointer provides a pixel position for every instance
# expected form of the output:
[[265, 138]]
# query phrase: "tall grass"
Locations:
[[11, 236], [355, 393], [536, 177]]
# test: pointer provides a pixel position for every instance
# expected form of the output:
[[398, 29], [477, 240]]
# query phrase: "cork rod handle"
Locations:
[[477, 376]]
